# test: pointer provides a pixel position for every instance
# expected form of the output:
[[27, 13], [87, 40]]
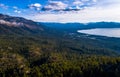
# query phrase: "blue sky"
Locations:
[[64, 11]]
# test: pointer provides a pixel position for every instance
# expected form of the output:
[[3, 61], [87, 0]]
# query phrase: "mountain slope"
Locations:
[[29, 49], [18, 25]]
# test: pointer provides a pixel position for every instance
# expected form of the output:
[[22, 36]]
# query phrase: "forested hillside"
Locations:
[[55, 57], [41, 51]]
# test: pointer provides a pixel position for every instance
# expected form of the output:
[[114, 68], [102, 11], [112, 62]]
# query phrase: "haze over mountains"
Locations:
[[9, 24]]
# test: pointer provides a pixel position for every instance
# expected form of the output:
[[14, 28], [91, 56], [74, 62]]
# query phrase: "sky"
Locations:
[[64, 11]]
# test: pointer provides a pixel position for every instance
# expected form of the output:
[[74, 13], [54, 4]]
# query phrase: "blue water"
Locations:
[[109, 32]]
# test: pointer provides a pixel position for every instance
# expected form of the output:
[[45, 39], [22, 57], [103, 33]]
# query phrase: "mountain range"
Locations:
[[36, 49], [10, 24]]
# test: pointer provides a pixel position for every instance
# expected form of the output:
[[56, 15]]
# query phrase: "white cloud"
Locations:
[[107, 3], [3, 6], [85, 16], [85, 0], [103, 10], [17, 11], [15, 7], [77, 7], [94, 0], [37, 6], [78, 3], [55, 5]]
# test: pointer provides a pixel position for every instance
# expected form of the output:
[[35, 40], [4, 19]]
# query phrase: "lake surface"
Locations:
[[109, 32]]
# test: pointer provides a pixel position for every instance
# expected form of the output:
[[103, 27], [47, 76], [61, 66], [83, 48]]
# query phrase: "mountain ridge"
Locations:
[[12, 25], [84, 25]]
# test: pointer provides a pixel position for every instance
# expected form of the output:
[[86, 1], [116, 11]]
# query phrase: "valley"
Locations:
[[44, 50]]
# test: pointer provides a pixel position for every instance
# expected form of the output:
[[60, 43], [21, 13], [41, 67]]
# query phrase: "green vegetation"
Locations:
[[45, 56], [29, 49]]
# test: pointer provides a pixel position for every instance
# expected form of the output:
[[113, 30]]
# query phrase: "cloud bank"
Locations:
[[65, 11], [85, 16], [99, 10]]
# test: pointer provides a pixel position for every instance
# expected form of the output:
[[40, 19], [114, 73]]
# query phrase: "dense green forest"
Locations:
[[45, 56], [29, 49]]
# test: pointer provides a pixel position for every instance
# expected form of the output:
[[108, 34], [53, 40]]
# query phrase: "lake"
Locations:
[[109, 32]]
